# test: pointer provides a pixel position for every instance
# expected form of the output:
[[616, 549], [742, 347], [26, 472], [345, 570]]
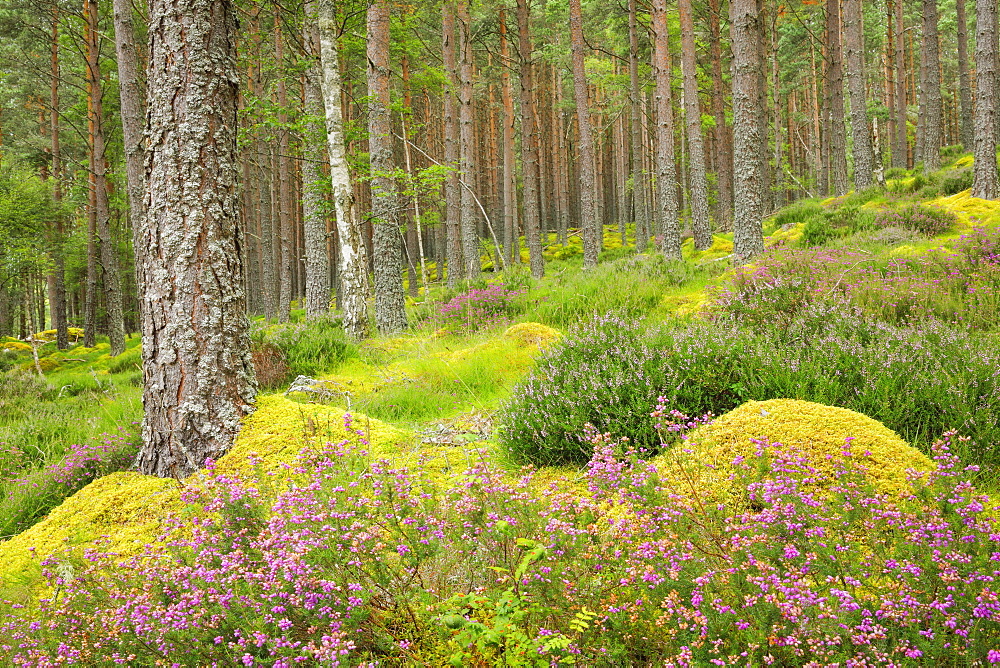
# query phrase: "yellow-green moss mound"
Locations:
[[532, 334], [817, 432]]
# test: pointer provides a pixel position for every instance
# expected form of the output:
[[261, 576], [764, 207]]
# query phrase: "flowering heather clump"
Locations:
[[360, 561], [479, 308], [929, 220]]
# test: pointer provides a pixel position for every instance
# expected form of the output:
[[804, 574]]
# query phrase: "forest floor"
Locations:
[[507, 465]]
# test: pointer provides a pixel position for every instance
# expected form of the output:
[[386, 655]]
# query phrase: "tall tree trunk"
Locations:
[[900, 150], [835, 80], [452, 185], [700, 223], [931, 92], [588, 218], [314, 222], [723, 143], [964, 85], [746, 33], [985, 166], [666, 174], [854, 44], [529, 145], [390, 304], [353, 294], [195, 340], [58, 301], [286, 227], [467, 164], [509, 166], [642, 231]]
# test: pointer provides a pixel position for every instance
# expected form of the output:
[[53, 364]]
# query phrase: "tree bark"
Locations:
[[452, 185], [467, 160], [835, 80], [58, 303], [642, 231], [510, 237], [964, 85], [666, 174], [723, 142], [195, 343], [353, 295], [588, 217], [529, 145], [390, 304], [985, 161], [700, 223], [854, 44], [286, 225], [900, 153], [931, 92], [314, 222], [745, 34]]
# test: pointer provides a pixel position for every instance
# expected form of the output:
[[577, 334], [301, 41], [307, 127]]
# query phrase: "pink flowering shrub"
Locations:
[[361, 561], [479, 308]]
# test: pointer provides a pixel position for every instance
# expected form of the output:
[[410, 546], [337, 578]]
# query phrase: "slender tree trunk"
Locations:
[[529, 145], [964, 84], [353, 296], [467, 164], [390, 304], [286, 228], [509, 166], [588, 218], [666, 175], [932, 88], [985, 166], [314, 222], [723, 142], [642, 231], [195, 341], [900, 152], [835, 80], [746, 33], [452, 185], [854, 44], [58, 301], [700, 223]]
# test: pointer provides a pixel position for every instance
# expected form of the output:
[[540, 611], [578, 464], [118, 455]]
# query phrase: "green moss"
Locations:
[[532, 334]]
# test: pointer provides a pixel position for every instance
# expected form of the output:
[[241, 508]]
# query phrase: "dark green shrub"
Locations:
[[797, 213], [918, 380], [817, 231], [956, 181], [929, 220], [896, 173], [307, 348]]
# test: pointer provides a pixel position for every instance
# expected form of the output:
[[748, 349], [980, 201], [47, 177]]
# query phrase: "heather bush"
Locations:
[[361, 561], [921, 218], [919, 380], [307, 348], [956, 181], [480, 308]]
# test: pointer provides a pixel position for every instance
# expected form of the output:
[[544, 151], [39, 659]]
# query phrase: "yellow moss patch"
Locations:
[[128, 508], [532, 334], [789, 236], [815, 431], [684, 305], [964, 161], [967, 207], [905, 250], [17, 346], [722, 245]]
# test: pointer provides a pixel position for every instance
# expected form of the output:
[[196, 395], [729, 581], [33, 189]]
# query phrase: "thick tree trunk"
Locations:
[[700, 223], [746, 33], [666, 174], [195, 343], [964, 84], [854, 44], [529, 145], [467, 165], [641, 219], [985, 166], [58, 301], [314, 222], [588, 217], [931, 92], [390, 304], [353, 294], [452, 185], [835, 80]]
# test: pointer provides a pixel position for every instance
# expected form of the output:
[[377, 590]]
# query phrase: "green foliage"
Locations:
[[308, 348], [956, 181], [796, 213]]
